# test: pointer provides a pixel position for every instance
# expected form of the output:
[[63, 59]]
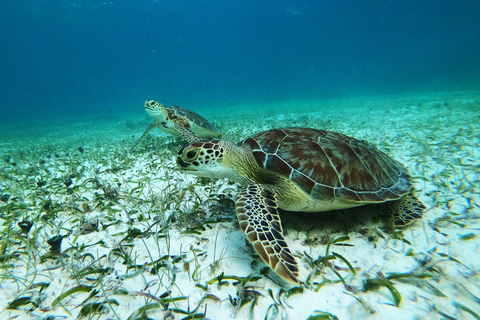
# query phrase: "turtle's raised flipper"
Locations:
[[258, 217], [405, 210], [150, 127], [186, 133]]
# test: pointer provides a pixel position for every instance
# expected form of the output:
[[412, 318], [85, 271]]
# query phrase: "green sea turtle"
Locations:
[[300, 169], [178, 122]]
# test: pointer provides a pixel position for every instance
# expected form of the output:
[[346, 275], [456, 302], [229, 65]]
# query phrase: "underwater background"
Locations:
[[141, 239], [65, 60]]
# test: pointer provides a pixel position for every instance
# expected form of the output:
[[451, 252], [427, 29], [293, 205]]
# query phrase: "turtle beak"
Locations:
[[185, 166], [182, 164]]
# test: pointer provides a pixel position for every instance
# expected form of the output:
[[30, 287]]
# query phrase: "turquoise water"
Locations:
[[74, 59]]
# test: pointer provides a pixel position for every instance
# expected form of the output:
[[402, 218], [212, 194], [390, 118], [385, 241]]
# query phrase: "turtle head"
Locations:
[[205, 159], [201, 158], [156, 110]]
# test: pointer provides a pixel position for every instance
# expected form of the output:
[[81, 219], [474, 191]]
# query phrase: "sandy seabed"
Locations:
[[141, 240]]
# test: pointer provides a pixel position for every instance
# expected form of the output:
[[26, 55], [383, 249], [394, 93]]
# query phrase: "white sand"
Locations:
[[436, 136]]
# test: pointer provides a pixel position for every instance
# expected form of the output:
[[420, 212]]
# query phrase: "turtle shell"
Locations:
[[329, 165], [193, 118]]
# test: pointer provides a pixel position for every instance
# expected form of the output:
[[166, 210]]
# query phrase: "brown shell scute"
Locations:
[[329, 165], [176, 112]]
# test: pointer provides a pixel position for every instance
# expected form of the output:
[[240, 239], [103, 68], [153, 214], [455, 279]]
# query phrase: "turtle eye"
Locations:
[[191, 154]]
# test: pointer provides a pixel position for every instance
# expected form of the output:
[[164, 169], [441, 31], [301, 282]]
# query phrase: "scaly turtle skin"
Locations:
[[178, 122], [300, 169]]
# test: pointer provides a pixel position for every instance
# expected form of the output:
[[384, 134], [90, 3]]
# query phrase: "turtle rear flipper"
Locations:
[[258, 217], [406, 209]]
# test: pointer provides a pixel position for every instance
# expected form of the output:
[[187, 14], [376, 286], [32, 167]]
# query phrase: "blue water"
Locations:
[[64, 58]]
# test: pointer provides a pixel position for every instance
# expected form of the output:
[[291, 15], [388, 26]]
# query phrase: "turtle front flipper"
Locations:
[[405, 210], [258, 217], [186, 133], [150, 127]]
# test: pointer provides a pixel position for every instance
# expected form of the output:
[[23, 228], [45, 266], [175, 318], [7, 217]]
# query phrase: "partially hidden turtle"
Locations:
[[178, 122], [300, 169]]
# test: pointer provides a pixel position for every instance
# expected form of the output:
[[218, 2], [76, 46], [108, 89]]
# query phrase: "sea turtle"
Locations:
[[300, 169], [178, 122]]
